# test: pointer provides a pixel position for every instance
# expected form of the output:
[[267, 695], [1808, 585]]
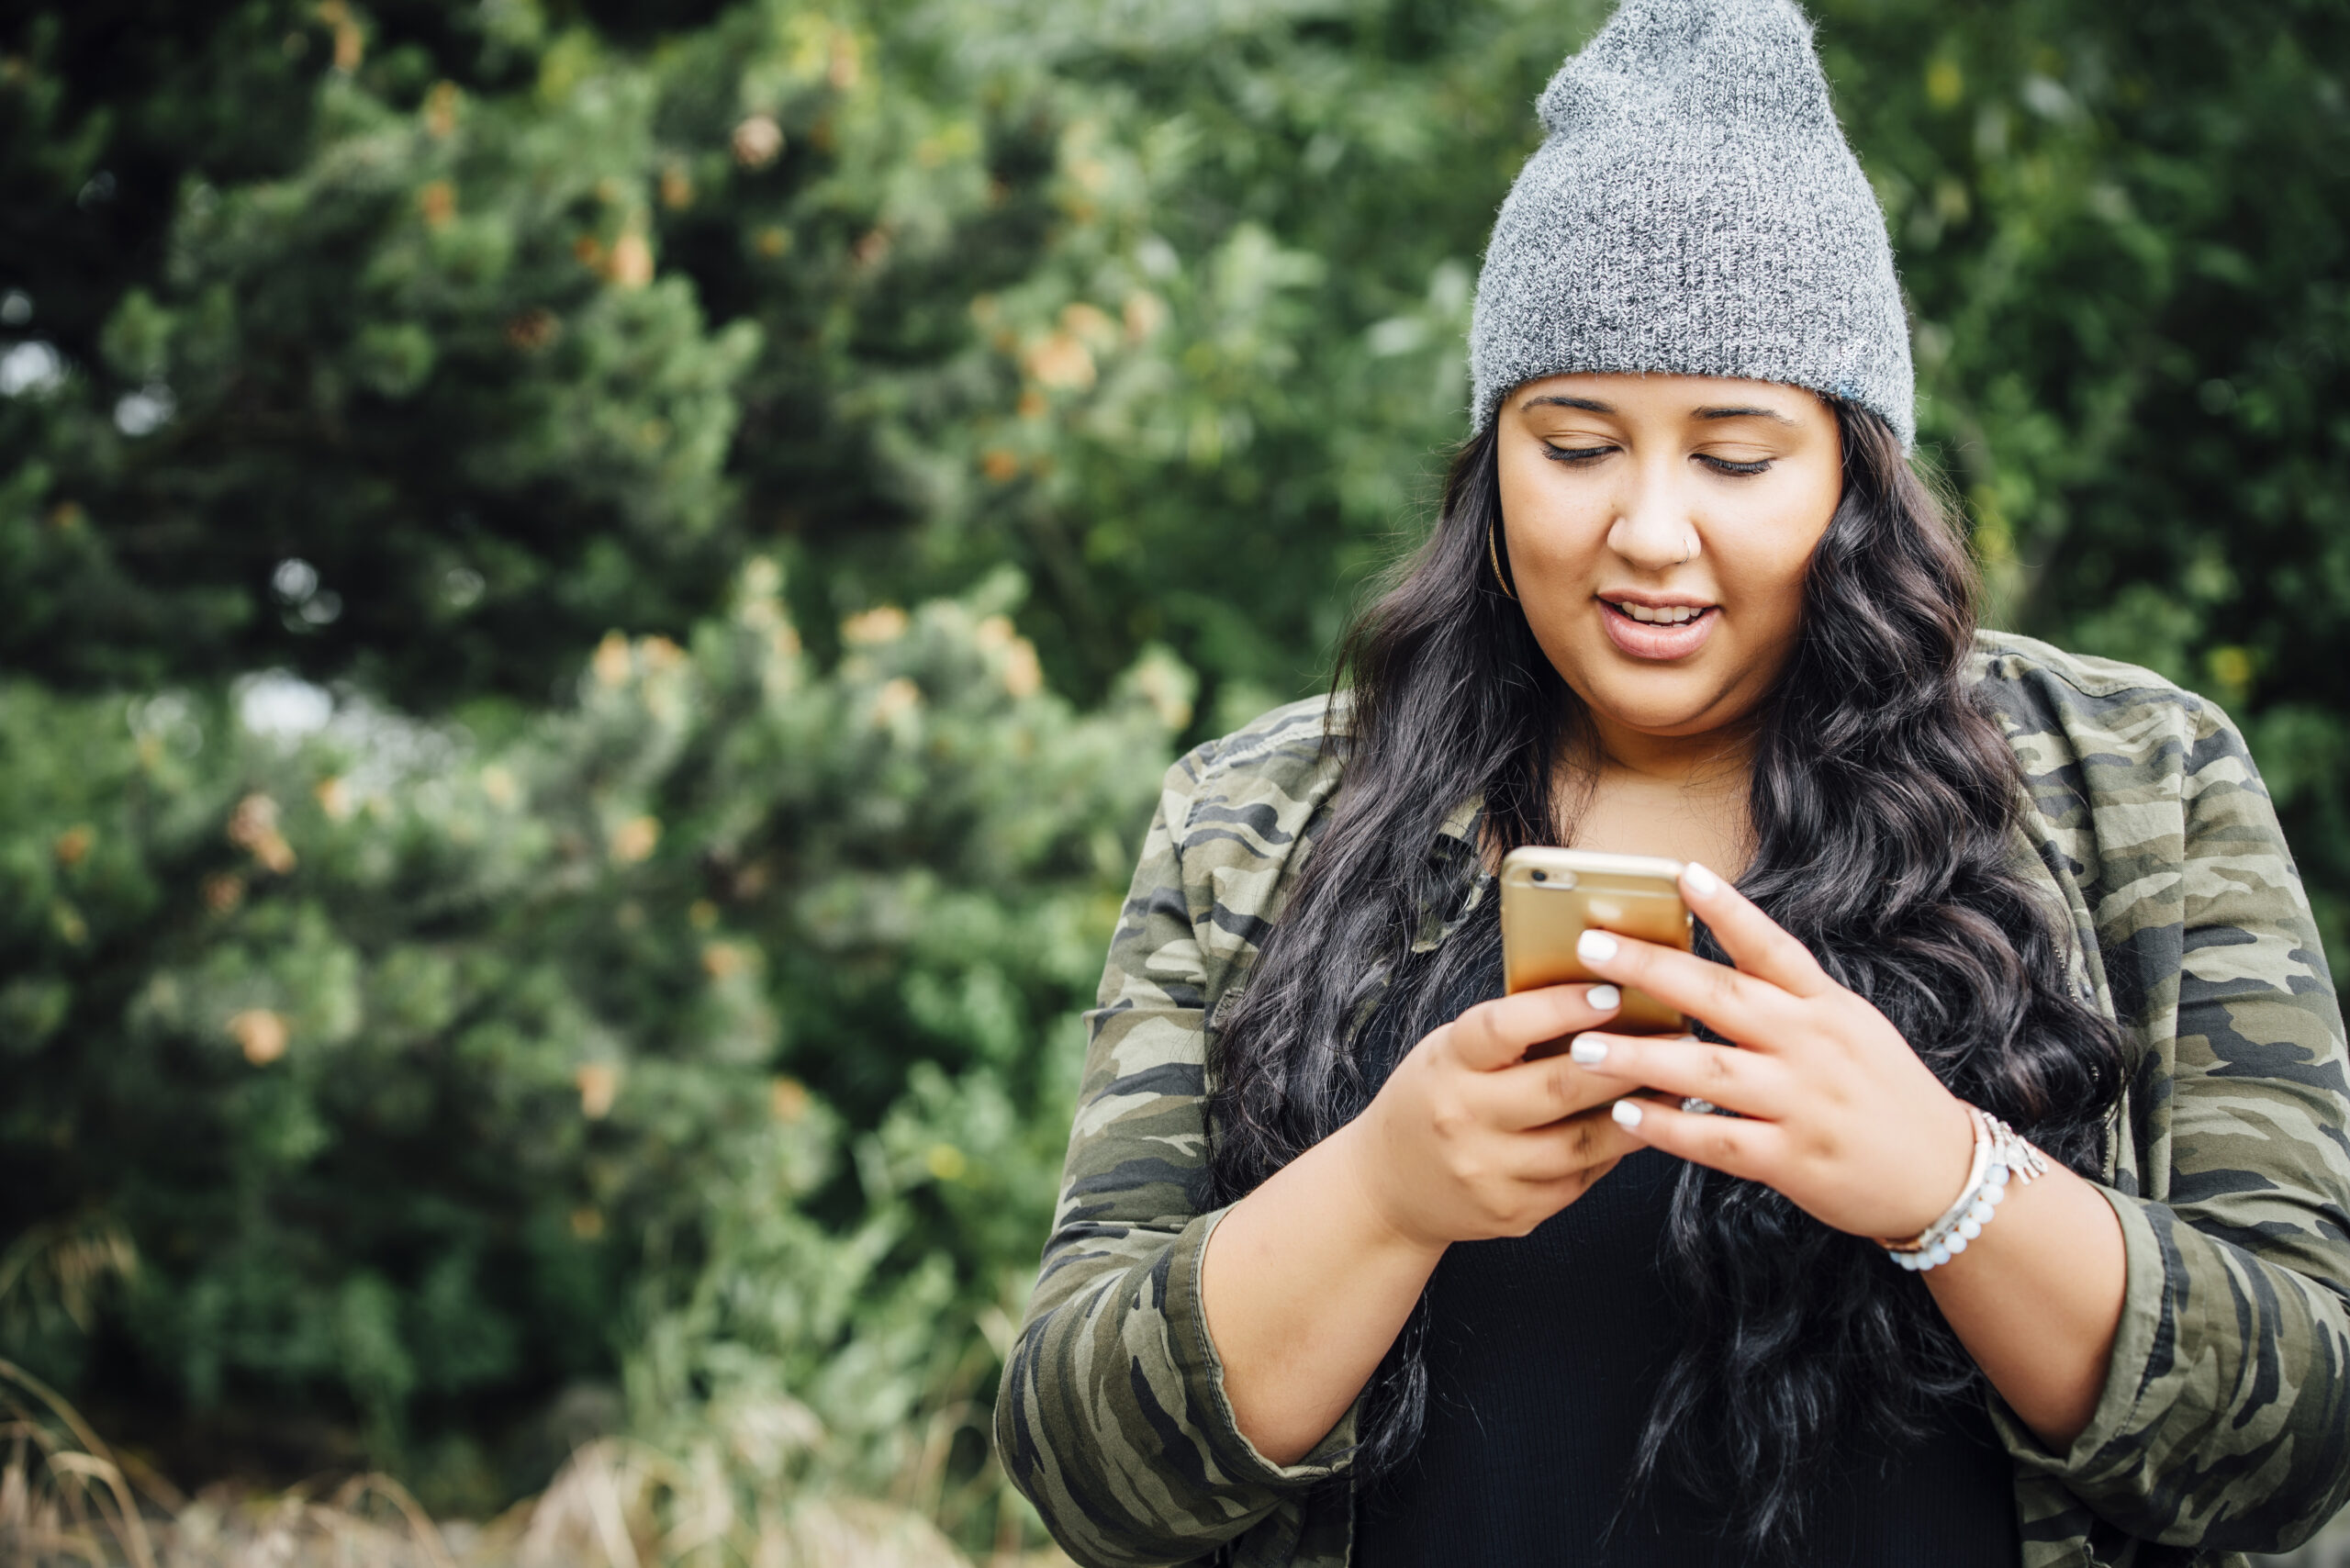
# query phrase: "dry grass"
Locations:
[[67, 1499]]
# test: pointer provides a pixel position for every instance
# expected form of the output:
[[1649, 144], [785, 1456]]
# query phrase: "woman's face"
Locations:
[[1658, 529]]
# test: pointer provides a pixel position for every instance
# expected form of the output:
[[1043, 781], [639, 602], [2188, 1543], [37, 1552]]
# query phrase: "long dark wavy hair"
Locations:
[[1882, 810]]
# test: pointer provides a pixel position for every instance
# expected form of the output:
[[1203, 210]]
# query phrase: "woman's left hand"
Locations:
[[1834, 1109]]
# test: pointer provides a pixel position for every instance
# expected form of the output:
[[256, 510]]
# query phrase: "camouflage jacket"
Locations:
[[2224, 1425]]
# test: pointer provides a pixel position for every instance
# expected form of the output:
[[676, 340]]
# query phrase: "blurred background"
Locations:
[[593, 594]]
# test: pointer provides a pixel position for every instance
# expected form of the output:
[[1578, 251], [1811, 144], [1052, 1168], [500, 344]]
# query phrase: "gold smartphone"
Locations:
[[1550, 897]]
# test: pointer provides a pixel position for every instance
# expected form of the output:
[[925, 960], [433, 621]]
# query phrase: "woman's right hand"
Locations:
[[1306, 1279], [1467, 1139]]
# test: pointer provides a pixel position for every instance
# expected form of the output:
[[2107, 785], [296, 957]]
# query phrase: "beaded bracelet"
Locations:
[[2001, 1154]]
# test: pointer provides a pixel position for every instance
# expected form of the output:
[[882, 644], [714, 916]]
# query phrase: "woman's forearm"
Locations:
[[1306, 1282], [2037, 1300], [1837, 1111], [1305, 1287]]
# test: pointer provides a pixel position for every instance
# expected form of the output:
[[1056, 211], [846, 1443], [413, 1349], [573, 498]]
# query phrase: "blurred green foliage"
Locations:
[[725, 1004], [460, 1027]]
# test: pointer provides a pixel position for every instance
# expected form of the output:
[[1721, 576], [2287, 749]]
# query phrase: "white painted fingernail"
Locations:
[[1595, 947], [1627, 1114], [1702, 882], [1588, 1052], [1605, 998]]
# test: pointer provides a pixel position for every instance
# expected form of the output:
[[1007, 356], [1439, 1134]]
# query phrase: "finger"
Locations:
[[1497, 1034], [1749, 1083], [1758, 944], [1736, 1006], [1579, 1144], [1752, 1150], [1537, 1093]]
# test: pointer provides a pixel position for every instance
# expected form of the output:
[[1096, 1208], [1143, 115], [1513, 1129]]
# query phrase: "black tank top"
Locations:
[[1543, 1355]]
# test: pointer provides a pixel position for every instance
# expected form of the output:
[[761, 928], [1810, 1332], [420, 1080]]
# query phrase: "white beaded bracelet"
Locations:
[[2000, 1155]]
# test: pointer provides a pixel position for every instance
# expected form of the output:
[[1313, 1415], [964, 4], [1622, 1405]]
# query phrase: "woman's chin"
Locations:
[[1718, 686], [1672, 708]]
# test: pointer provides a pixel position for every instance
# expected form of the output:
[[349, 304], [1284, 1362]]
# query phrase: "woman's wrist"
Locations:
[[1363, 1172], [1998, 1154], [1945, 1161]]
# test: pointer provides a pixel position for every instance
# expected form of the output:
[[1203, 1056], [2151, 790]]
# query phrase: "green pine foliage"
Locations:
[[713, 1024], [460, 947]]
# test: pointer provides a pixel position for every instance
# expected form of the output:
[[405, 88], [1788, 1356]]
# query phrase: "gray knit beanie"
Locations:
[[1694, 210]]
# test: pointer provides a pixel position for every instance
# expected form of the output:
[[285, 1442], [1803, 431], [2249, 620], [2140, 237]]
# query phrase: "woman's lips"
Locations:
[[1644, 640]]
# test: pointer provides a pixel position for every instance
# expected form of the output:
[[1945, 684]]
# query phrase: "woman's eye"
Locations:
[[1725, 465], [1574, 454]]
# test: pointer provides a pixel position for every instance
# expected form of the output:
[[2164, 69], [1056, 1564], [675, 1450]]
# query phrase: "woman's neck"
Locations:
[[1680, 796]]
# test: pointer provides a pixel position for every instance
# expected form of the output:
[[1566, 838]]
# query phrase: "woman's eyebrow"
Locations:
[[1740, 414], [1557, 400]]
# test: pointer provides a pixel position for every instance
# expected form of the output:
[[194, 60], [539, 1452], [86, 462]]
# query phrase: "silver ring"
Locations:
[[1696, 1106]]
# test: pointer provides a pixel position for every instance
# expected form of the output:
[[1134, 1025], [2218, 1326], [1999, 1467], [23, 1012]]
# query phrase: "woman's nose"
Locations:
[[1651, 530]]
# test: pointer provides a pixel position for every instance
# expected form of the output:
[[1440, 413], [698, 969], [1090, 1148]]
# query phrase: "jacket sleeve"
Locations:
[[1113, 1418], [2225, 1419]]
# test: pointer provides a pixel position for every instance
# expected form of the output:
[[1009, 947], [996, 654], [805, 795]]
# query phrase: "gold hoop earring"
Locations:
[[1492, 554]]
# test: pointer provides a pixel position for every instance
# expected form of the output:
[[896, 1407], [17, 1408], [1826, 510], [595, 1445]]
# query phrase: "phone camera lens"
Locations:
[[1541, 876]]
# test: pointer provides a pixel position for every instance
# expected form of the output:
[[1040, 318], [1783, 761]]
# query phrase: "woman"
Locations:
[[1342, 1274]]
